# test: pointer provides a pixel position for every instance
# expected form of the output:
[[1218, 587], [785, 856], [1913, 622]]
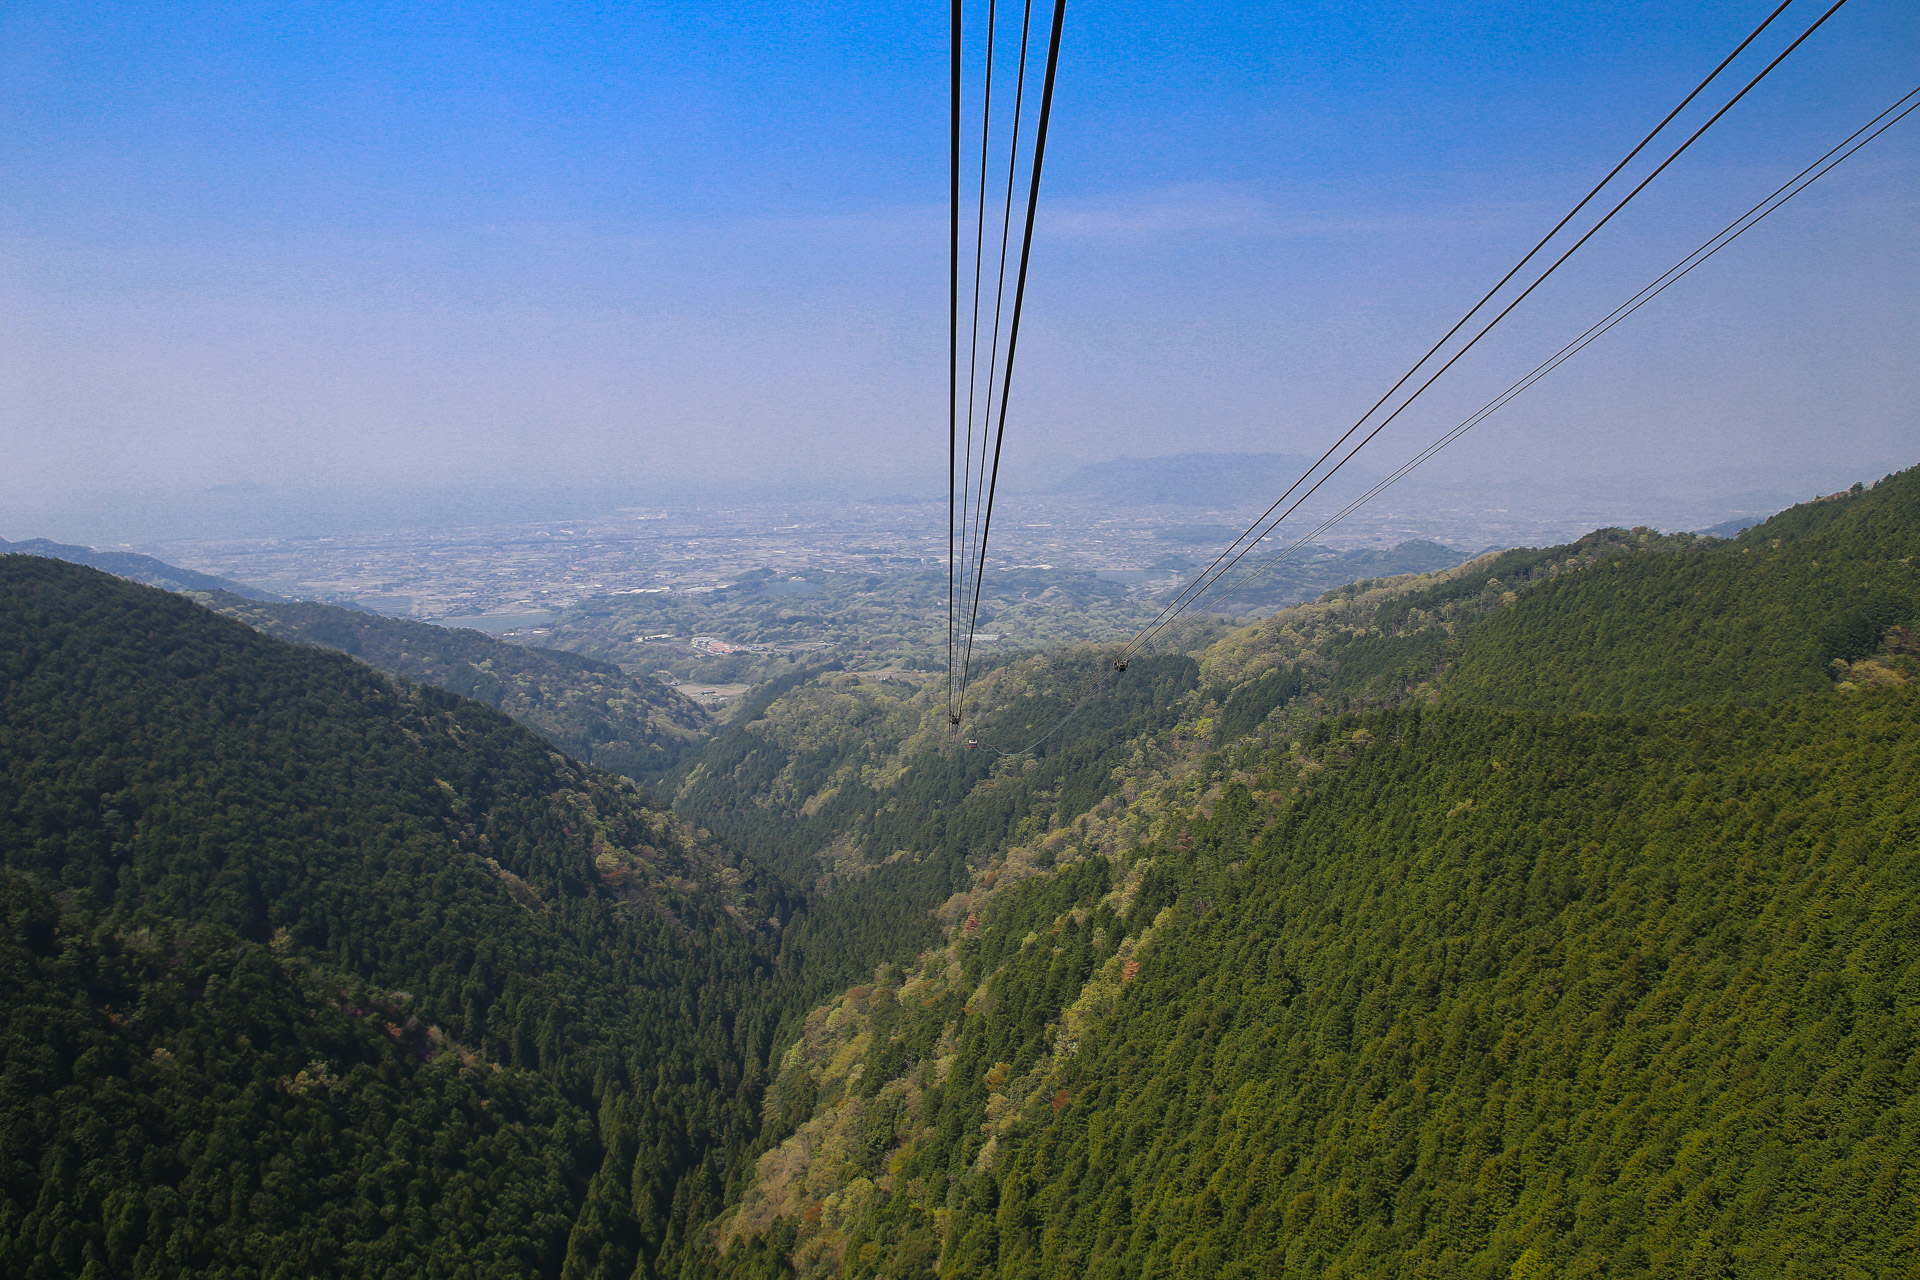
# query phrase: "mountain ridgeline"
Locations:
[[134, 567], [1553, 915], [591, 709]]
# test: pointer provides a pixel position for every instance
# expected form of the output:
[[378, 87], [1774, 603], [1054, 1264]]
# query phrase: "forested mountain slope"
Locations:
[[227, 857], [1460, 989], [860, 790], [180, 1101], [1552, 915], [591, 709], [1751, 621]]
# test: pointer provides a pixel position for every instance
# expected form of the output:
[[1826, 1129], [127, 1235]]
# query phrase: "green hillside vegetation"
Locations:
[[1263, 583], [592, 710], [177, 1101], [169, 770], [1630, 1002], [1550, 915], [860, 790], [1750, 621], [1459, 990], [1379, 642]]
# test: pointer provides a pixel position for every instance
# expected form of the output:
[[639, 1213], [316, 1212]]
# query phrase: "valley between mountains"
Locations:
[[1552, 915]]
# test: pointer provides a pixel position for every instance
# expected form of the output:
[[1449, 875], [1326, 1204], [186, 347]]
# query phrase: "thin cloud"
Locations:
[[1167, 211], [1202, 210], [1173, 211]]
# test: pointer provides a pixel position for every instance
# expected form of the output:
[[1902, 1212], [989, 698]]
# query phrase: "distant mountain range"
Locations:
[[139, 568]]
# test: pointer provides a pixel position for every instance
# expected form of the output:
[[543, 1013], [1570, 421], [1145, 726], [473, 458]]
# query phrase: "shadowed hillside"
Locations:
[[135, 567], [230, 860]]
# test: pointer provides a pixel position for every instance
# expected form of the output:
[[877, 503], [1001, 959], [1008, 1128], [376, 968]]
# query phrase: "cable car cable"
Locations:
[[1000, 279], [1013, 332], [1488, 328], [1902, 107], [1726, 236], [1504, 280], [973, 337], [953, 340]]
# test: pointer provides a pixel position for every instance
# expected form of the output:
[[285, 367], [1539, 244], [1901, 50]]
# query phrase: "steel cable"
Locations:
[[973, 330], [1838, 154], [1210, 577], [953, 344], [1198, 586], [1013, 332], [1904, 107], [999, 296]]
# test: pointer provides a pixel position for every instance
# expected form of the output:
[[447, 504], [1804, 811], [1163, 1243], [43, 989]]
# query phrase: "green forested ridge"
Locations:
[[1752, 620], [591, 709], [1464, 990], [861, 788], [162, 764], [167, 769], [1635, 999], [1378, 642]]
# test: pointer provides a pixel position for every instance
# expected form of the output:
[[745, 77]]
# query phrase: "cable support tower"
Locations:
[[977, 434], [1266, 522]]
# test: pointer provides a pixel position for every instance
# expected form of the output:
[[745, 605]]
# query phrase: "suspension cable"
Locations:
[[1013, 332], [963, 552], [1199, 583], [1212, 576], [1846, 148], [1849, 146], [969, 540], [953, 340]]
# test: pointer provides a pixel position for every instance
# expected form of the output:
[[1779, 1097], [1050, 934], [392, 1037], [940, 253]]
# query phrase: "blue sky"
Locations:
[[348, 250]]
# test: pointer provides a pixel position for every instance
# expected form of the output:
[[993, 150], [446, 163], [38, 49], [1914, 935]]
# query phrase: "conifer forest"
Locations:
[[1552, 915]]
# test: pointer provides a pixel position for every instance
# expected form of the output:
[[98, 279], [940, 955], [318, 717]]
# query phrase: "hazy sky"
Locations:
[[527, 251]]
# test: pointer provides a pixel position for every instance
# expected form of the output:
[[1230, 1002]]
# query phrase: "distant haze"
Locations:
[[269, 271]]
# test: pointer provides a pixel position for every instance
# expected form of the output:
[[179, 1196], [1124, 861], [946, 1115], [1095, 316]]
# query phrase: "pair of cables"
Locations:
[[977, 403], [1446, 352], [1905, 106]]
